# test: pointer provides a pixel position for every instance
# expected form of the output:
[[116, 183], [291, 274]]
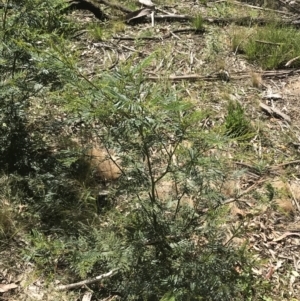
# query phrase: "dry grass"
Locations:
[[106, 165]]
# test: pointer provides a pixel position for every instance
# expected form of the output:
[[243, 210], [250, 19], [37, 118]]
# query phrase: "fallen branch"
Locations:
[[275, 112], [190, 77], [172, 17], [262, 8], [166, 36], [292, 61], [268, 43], [279, 73], [287, 234], [233, 76], [295, 162], [85, 282]]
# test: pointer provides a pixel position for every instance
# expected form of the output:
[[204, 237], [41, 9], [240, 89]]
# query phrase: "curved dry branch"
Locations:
[[85, 282]]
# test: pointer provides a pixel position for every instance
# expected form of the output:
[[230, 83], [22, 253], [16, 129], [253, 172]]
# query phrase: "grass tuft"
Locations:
[[236, 123], [198, 23], [96, 31], [272, 46]]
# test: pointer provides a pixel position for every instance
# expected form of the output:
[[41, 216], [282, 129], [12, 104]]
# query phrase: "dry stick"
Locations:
[[268, 43], [168, 35], [85, 282], [235, 76], [245, 165], [197, 77], [262, 8], [275, 112], [286, 235], [238, 20], [271, 167], [280, 73], [292, 61], [171, 17], [286, 164]]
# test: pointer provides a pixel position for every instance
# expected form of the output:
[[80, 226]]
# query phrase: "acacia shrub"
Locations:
[[30, 71], [165, 247]]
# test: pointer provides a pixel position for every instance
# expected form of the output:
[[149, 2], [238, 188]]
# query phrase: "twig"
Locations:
[[292, 61], [285, 164], [171, 17], [275, 112], [233, 76], [280, 73], [286, 234], [85, 282], [168, 35], [185, 77], [245, 165], [271, 167], [268, 43], [262, 8]]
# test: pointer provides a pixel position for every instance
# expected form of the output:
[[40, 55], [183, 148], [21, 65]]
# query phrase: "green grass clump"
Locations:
[[273, 46], [236, 124], [198, 23], [96, 31]]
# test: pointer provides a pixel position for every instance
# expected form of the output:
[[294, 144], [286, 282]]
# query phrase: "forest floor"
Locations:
[[207, 68]]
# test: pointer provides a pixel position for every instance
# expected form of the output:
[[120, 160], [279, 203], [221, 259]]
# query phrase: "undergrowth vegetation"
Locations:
[[271, 46], [237, 125], [161, 224]]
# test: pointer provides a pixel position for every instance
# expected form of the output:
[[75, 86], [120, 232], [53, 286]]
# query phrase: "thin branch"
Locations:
[[233, 76], [292, 61], [295, 162], [268, 43], [85, 282], [166, 36], [262, 8], [275, 112]]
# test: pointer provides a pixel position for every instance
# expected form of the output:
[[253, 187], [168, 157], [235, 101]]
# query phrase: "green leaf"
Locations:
[[169, 296]]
